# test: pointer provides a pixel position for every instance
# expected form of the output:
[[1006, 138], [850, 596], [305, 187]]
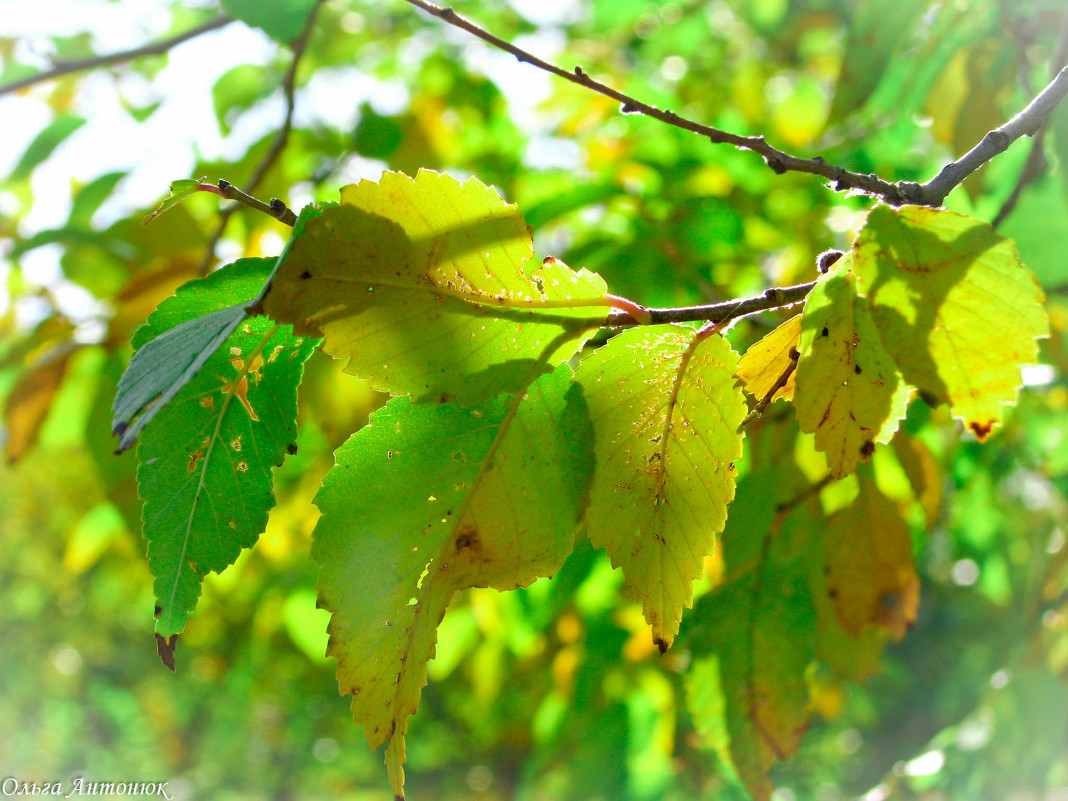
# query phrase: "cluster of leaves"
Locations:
[[494, 457], [555, 689]]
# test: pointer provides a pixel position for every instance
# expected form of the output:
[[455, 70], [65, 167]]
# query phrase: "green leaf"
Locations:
[[160, 369], [428, 500], [90, 197], [282, 20], [205, 472], [876, 31], [953, 306], [180, 190], [757, 641], [420, 284], [51, 137], [666, 412], [849, 391]]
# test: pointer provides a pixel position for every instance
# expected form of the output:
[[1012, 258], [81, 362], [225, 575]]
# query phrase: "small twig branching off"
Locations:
[[61, 68], [1036, 159], [278, 144], [931, 193]]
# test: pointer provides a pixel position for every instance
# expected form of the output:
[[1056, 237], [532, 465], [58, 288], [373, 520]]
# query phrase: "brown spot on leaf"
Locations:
[[291, 448], [165, 649], [467, 538], [208, 403], [197, 455], [304, 276], [981, 430], [661, 645], [867, 449], [157, 611], [856, 369], [825, 331]]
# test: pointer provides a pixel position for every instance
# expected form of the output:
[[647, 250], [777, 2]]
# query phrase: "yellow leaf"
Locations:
[[422, 285], [849, 391], [766, 361], [28, 403], [953, 305], [665, 412], [871, 575]]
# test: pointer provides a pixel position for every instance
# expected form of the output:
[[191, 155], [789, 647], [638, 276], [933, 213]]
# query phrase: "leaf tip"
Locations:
[[165, 649], [981, 429], [661, 644]]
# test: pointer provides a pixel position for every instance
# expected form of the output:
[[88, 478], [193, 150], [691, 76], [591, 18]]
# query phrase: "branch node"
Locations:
[[775, 163]]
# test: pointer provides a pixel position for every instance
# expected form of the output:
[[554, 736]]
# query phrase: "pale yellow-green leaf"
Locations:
[[430, 499], [665, 412], [871, 576], [423, 286], [953, 305], [765, 362], [849, 391]]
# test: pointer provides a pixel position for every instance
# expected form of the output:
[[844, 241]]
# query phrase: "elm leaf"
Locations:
[[666, 413], [206, 463], [849, 391], [953, 305], [429, 499], [421, 284]]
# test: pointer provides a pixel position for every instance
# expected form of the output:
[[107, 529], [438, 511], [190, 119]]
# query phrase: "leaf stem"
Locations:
[[278, 144]]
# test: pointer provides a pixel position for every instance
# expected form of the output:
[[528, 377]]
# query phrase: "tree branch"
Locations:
[[1036, 159], [289, 82], [778, 160], [62, 68], [720, 312], [1026, 123], [897, 193]]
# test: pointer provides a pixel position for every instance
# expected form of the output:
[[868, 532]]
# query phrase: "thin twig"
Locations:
[[289, 81], [778, 160], [1036, 159], [805, 494], [931, 193], [780, 382], [276, 208], [62, 68], [1026, 123], [720, 312]]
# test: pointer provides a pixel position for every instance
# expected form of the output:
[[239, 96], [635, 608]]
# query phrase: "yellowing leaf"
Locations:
[[953, 306], [28, 403], [849, 392], [665, 412], [427, 500], [421, 285], [756, 642], [871, 576], [763, 365], [923, 474]]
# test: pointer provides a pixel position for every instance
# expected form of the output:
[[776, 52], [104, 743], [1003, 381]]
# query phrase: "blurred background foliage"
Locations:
[[555, 692]]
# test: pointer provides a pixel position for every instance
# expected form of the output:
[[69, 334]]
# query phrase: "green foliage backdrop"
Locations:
[[887, 627]]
